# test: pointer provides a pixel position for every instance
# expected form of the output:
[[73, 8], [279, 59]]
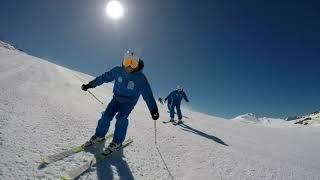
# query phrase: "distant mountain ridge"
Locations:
[[252, 118], [7, 46], [10, 46], [311, 118]]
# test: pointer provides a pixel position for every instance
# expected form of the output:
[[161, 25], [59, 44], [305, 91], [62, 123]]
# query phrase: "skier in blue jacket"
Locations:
[[129, 84], [174, 101]]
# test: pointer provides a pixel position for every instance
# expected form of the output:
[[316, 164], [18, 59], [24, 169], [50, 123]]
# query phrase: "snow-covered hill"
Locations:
[[43, 110]]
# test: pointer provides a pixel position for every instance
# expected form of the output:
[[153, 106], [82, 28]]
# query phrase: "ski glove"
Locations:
[[160, 100], [85, 87], [155, 114]]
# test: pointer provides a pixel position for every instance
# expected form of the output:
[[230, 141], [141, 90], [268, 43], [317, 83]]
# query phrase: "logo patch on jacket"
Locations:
[[120, 79], [130, 85]]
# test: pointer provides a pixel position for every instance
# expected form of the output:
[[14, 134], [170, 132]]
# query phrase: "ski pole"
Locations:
[[155, 133], [88, 90], [188, 105], [94, 96]]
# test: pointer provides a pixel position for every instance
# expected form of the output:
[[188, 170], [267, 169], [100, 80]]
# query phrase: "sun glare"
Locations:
[[114, 9]]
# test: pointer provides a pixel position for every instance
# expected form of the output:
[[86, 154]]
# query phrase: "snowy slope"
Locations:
[[43, 110]]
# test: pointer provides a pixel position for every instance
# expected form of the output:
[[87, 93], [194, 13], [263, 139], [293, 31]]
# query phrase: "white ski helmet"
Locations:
[[179, 88], [131, 55], [131, 59]]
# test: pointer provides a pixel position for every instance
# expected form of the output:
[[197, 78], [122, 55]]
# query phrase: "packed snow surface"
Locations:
[[43, 111]]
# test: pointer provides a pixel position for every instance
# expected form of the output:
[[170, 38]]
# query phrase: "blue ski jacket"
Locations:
[[175, 97], [128, 86]]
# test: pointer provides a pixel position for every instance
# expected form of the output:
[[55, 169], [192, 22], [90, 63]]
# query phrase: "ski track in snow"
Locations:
[[43, 111]]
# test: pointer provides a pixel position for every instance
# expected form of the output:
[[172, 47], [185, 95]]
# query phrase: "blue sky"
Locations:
[[232, 57]]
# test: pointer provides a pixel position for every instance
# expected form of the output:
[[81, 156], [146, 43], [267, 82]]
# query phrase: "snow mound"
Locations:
[[271, 120], [247, 118]]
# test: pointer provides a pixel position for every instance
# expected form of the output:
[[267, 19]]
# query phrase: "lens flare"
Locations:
[[114, 9]]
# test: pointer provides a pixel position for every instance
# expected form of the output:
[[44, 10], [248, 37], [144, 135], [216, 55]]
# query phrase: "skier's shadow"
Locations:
[[113, 161], [195, 131], [116, 160]]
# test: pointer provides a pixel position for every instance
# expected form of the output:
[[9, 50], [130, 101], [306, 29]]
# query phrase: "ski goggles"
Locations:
[[130, 62]]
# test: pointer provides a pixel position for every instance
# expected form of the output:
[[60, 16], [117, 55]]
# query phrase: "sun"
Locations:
[[114, 9]]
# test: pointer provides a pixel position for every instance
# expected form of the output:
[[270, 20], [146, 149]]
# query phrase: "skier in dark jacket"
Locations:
[[174, 101], [129, 84]]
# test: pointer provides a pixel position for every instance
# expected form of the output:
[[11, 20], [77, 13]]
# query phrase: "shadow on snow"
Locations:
[[115, 161], [195, 131]]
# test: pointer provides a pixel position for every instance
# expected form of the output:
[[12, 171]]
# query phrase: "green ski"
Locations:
[[58, 156], [75, 173]]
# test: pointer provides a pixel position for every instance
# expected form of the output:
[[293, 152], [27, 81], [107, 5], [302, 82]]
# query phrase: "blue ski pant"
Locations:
[[171, 110], [121, 126]]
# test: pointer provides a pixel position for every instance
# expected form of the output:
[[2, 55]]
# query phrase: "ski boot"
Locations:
[[178, 122], [93, 140], [171, 120], [112, 147]]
